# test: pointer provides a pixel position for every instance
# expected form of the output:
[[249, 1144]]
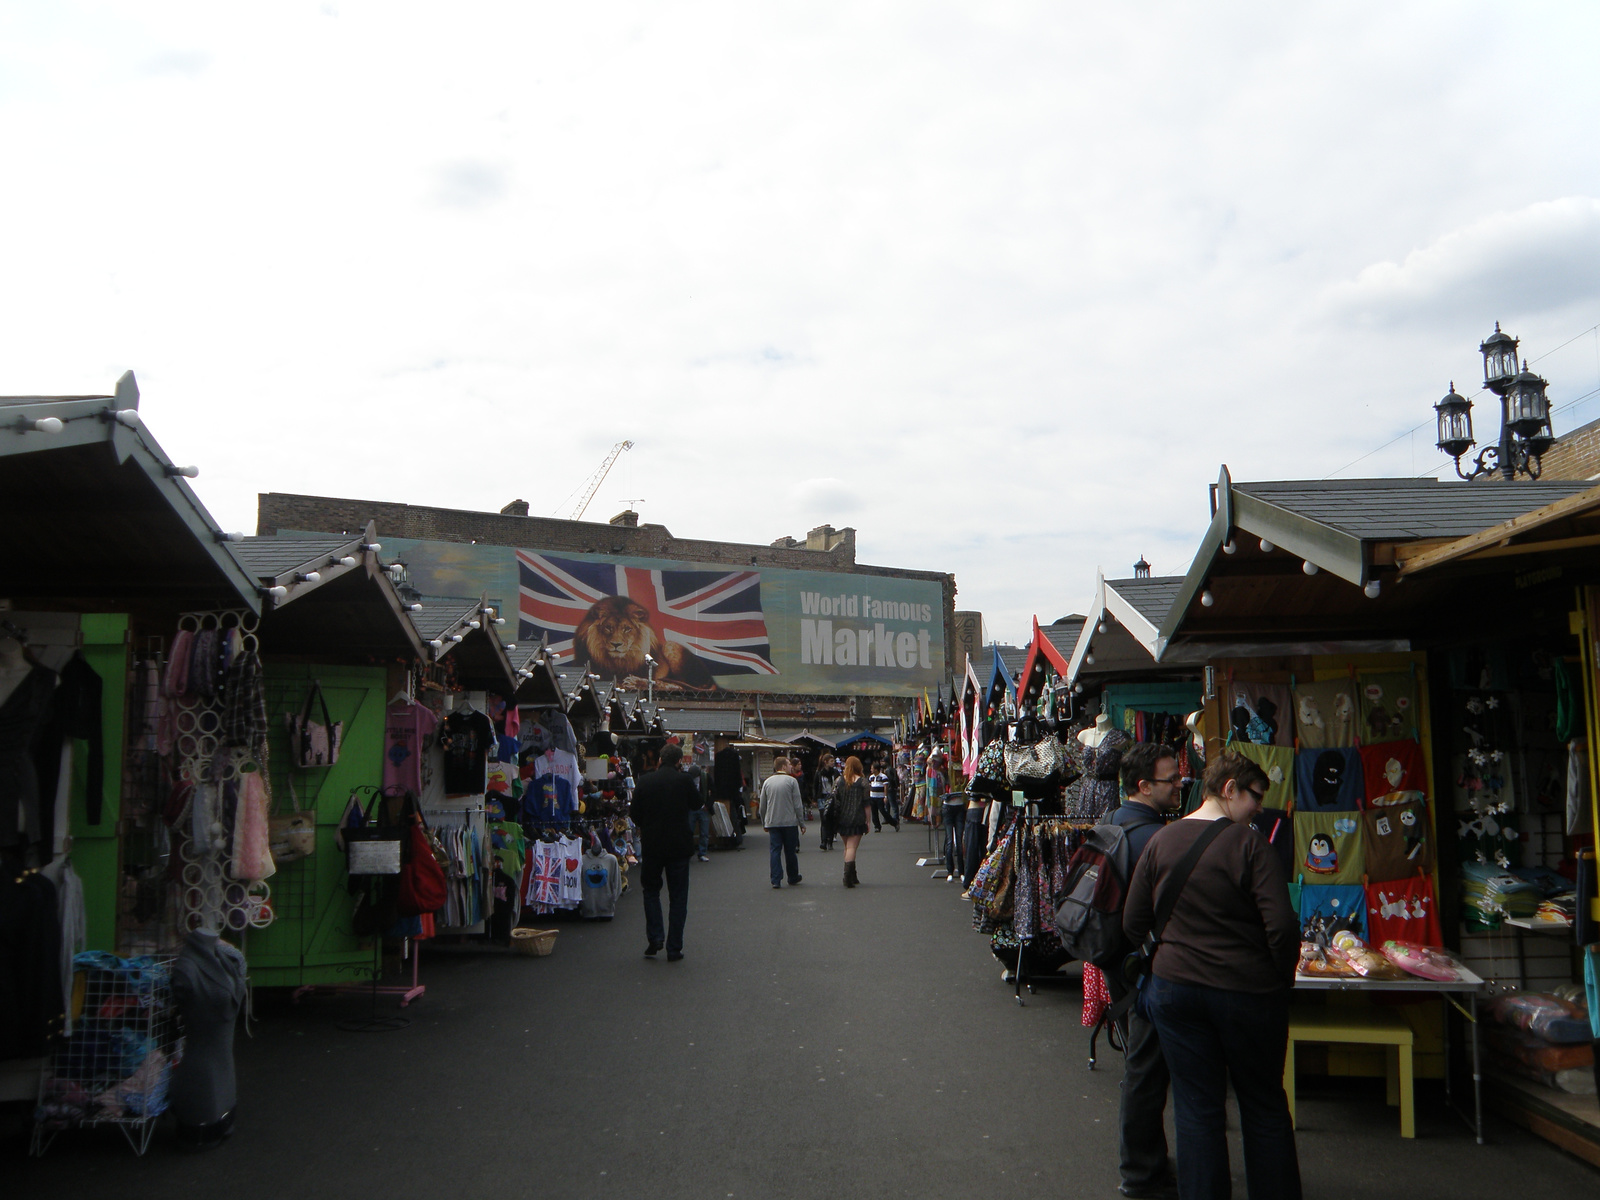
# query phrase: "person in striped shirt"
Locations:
[[878, 791]]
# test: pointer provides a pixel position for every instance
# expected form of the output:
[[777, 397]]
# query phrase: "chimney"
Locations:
[[820, 538], [517, 508], [784, 543], [627, 518]]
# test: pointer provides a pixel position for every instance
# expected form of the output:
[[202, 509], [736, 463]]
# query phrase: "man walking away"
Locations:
[[878, 790], [783, 813], [1150, 794], [661, 805], [699, 818]]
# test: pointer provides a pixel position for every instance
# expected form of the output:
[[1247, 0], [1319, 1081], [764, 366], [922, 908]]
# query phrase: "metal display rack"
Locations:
[[115, 1068]]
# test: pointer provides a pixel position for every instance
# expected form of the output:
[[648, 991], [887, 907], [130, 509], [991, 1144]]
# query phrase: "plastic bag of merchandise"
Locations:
[[1425, 962], [1549, 1017]]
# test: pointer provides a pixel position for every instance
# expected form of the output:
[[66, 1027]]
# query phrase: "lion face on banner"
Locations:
[[614, 637]]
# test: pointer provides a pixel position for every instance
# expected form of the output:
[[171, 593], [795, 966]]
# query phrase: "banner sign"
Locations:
[[700, 626]]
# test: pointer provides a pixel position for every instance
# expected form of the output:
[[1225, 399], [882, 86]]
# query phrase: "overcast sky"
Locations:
[[1002, 286]]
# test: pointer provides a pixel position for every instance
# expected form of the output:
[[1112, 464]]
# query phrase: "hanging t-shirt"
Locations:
[[406, 730], [571, 872], [1278, 763], [1325, 714], [1326, 909], [602, 883], [1327, 780], [1403, 910], [1259, 713], [1388, 707], [506, 749], [465, 739], [1390, 767], [1399, 842], [1328, 847], [554, 786]]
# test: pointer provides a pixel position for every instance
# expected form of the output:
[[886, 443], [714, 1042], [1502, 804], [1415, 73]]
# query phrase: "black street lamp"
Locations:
[[1525, 433]]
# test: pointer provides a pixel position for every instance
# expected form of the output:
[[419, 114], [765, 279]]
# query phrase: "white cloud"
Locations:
[[1541, 257], [999, 285]]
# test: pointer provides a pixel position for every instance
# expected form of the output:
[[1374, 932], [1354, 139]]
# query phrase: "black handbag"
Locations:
[[373, 847]]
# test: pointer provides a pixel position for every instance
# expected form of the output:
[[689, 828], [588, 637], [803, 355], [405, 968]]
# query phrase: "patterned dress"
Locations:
[[1100, 791]]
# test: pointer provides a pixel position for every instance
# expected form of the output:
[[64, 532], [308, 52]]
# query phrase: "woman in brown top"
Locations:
[[1218, 994], [850, 808]]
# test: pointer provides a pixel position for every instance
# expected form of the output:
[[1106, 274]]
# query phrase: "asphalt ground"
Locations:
[[814, 1042]]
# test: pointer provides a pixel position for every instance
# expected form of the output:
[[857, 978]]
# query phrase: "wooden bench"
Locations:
[[1370, 1026]]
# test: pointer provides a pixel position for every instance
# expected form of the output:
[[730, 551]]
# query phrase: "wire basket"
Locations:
[[116, 1066], [535, 943]]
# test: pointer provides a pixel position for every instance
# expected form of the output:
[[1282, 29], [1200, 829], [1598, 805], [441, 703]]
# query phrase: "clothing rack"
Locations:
[[1032, 819]]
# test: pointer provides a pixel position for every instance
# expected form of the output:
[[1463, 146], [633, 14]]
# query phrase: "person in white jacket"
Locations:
[[783, 813]]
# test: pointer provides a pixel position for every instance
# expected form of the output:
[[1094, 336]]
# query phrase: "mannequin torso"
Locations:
[[1096, 733]]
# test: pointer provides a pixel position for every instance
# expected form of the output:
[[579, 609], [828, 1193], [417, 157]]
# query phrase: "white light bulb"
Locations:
[[1077, 688], [371, 547], [1309, 567], [1100, 628], [1372, 589], [46, 425], [1089, 658], [474, 625], [499, 620], [126, 417], [278, 593], [511, 645], [1207, 598], [436, 643], [455, 637], [414, 608], [311, 576], [347, 561], [1267, 547], [1229, 547]]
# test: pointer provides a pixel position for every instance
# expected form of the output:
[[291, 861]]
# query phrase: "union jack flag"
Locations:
[[715, 615]]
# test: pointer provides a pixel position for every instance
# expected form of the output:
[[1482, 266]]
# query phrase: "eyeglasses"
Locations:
[[1260, 796], [1169, 779]]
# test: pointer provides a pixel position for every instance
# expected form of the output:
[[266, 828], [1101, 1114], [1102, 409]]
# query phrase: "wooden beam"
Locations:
[[1502, 550], [1568, 506]]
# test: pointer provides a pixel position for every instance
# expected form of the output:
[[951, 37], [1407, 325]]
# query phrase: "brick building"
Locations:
[[824, 549], [1575, 456]]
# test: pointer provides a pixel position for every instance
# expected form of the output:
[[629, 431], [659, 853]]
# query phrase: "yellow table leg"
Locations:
[[1288, 1080], [1408, 1116]]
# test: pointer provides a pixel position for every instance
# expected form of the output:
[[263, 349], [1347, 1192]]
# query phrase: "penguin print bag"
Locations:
[[1328, 847]]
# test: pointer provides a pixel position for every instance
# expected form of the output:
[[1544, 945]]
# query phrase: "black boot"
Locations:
[[850, 879]]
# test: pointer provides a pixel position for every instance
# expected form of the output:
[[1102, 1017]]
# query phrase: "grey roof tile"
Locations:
[[1402, 509], [271, 556], [1151, 597]]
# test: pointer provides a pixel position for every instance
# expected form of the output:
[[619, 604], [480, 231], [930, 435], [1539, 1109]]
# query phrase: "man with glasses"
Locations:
[[1150, 794]]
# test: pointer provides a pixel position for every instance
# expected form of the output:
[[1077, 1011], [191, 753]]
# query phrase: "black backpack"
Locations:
[[1089, 917]]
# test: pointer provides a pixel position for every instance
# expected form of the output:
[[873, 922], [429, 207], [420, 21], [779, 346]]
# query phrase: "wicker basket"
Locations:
[[533, 942]]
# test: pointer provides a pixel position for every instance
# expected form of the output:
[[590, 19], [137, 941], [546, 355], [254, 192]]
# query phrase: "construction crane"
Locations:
[[595, 480]]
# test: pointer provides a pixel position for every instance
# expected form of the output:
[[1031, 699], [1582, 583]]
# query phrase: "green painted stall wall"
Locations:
[[309, 940], [95, 848], [1179, 698]]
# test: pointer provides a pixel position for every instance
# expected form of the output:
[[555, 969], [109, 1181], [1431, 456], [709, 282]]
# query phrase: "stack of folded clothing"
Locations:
[[1544, 1038], [1490, 894]]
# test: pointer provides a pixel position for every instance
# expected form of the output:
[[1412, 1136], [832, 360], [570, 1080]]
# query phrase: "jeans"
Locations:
[[1208, 1036], [700, 821], [977, 842], [878, 816], [677, 873], [1142, 1139], [785, 842], [955, 825]]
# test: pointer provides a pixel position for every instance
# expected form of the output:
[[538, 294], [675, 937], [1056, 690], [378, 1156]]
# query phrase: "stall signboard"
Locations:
[[701, 626]]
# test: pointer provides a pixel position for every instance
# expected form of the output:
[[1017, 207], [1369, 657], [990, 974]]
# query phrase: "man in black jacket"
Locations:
[[662, 802], [1150, 782]]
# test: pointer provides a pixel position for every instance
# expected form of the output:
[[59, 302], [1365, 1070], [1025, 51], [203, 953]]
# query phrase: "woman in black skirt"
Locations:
[[850, 804]]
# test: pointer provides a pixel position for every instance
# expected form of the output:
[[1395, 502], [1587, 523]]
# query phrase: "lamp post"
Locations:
[[650, 663], [1525, 433]]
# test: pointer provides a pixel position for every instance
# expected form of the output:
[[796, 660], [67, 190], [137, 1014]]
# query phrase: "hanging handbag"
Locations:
[[422, 880], [312, 744], [373, 847], [292, 835], [1043, 759]]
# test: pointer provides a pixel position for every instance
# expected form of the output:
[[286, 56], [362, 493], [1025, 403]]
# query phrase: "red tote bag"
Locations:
[[422, 881], [1404, 910]]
